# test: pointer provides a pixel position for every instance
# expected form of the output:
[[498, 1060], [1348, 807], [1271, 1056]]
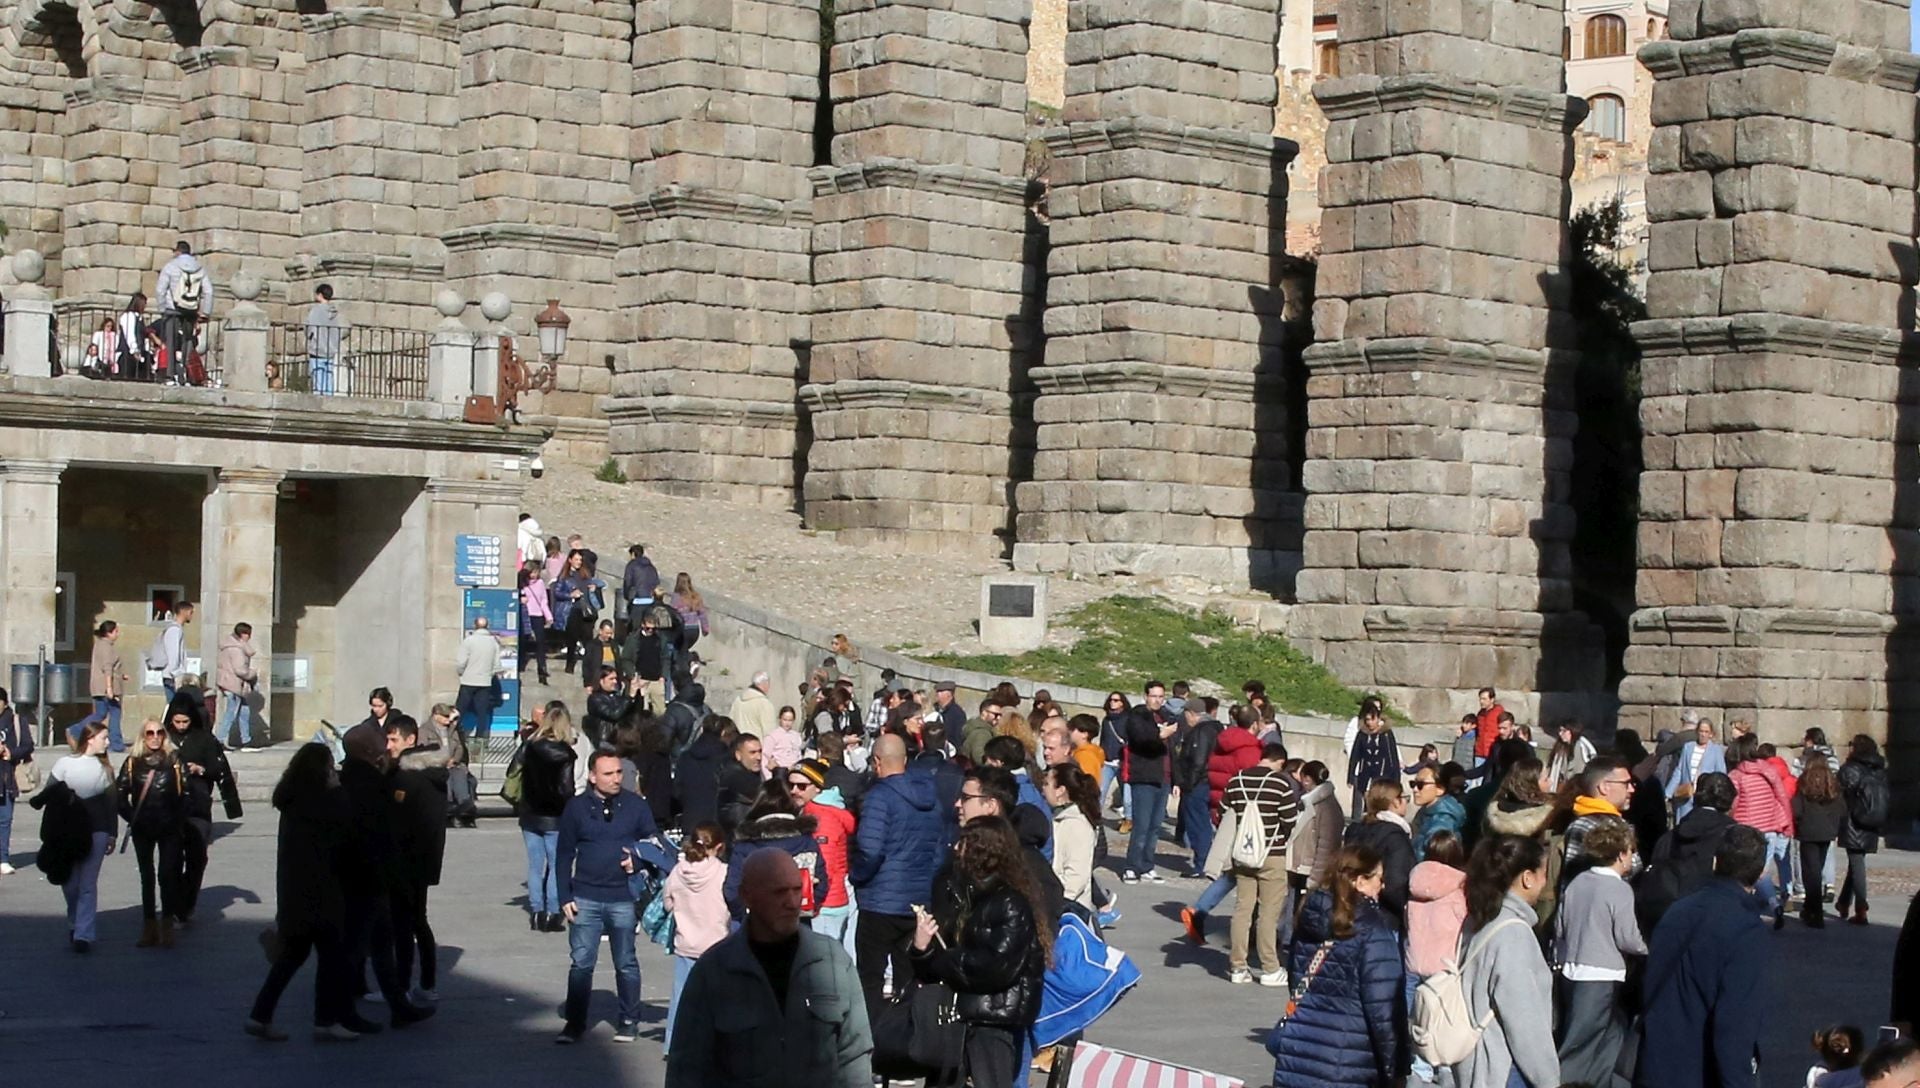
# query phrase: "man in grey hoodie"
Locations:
[[185, 292], [325, 329]]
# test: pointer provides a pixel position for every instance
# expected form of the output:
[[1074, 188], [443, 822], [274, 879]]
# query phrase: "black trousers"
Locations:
[[193, 866], [410, 928], [579, 636], [1853, 886], [1590, 1031], [332, 1001], [370, 939], [880, 939], [1813, 859], [992, 1057], [166, 874]]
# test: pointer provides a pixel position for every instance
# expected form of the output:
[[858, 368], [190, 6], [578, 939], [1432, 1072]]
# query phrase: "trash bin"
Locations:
[[25, 687], [60, 685]]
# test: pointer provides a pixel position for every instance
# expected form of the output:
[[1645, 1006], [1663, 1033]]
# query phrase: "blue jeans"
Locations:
[[1196, 813], [1214, 894], [107, 710], [1773, 888], [1422, 1069], [167, 686], [475, 705], [320, 375], [682, 967], [6, 830], [616, 920], [543, 892], [82, 889], [235, 709], [836, 923], [1149, 809]]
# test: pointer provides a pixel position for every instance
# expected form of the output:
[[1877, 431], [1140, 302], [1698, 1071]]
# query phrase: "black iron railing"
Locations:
[[101, 342], [372, 362]]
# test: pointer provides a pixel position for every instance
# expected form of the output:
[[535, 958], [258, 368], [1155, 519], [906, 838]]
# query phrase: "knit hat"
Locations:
[[365, 742], [815, 770]]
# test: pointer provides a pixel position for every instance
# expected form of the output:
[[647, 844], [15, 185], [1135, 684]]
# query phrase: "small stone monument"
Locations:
[[1013, 611]]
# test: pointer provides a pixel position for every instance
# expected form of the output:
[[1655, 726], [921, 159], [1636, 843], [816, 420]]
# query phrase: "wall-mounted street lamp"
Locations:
[[516, 377]]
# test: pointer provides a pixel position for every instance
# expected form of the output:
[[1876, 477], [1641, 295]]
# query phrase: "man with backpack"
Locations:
[[186, 297], [1265, 802], [168, 653]]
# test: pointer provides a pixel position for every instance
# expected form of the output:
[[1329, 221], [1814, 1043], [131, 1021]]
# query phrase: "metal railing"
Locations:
[[87, 342], [371, 362]]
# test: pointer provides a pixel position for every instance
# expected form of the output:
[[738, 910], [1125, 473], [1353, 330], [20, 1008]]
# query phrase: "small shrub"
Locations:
[[609, 472]]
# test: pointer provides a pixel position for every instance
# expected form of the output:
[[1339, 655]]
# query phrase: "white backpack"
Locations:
[[1441, 1025], [1250, 839], [186, 290]]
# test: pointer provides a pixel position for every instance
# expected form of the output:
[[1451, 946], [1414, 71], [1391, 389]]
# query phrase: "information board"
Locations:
[[501, 607], [476, 560]]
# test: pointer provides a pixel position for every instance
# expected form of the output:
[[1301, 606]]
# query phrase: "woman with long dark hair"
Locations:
[[1819, 812], [1571, 752], [1075, 799], [1348, 1023], [1507, 983], [578, 596], [1863, 786], [310, 911], [1113, 734], [988, 944], [153, 800], [536, 615]]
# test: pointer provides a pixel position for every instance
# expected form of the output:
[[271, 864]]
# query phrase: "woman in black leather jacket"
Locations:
[[153, 800], [986, 946], [546, 784]]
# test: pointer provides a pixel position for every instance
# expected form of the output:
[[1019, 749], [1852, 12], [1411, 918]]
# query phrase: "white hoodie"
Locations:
[[533, 546]]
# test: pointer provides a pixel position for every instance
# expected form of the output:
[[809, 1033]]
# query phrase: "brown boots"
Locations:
[[155, 933]]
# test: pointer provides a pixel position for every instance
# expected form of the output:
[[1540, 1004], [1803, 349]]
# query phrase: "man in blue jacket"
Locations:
[[591, 864], [898, 846], [1705, 982]]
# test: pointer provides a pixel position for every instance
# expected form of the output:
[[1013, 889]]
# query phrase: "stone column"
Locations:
[[239, 163], [489, 507], [29, 318], [1161, 422], [714, 261], [243, 338], [919, 276], [122, 187], [1439, 431], [545, 87], [29, 549], [237, 540], [450, 354], [378, 150], [1778, 521]]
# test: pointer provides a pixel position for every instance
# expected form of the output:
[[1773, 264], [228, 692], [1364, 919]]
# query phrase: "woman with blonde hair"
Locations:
[[86, 774], [1014, 724], [687, 601], [546, 779], [153, 800]]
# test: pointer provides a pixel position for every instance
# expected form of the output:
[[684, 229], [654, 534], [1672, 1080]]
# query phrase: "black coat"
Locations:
[[604, 711], [420, 823], [653, 780], [1395, 848], [315, 854], [1906, 968], [852, 785], [1863, 782], [696, 782], [1681, 863], [739, 788], [66, 831], [546, 782], [1817, 821], [1146, 758], [374, 863], [164, 811], [991, 959], [199, 746], [1196, 747]]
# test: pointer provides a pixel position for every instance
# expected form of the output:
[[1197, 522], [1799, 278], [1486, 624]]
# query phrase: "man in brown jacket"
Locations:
[[236, 680]]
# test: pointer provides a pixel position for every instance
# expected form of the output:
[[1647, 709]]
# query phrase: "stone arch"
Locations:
[[57, 28]]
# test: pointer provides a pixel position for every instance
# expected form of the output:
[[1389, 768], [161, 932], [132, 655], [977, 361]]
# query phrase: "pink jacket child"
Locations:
[[1436, 907], [694, 898], [781, 747], [1761, 802], [536, 600]]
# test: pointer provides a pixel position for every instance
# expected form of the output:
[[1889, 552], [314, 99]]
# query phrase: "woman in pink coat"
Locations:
[[536, 615], [1764, 804], [1436, 909]]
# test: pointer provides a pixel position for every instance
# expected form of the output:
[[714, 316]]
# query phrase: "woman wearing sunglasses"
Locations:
[[153, 800]]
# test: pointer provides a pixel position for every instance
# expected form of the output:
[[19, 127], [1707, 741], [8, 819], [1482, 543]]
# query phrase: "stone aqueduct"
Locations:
[[827, 277]]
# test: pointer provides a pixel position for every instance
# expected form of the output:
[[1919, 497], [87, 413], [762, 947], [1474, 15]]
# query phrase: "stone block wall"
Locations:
[[33, 163], [1160, 421], [1780, 537], [920, 282], [714, 265], [1439, 437]]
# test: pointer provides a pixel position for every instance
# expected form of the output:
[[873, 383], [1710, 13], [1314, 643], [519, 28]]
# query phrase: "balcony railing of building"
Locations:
[[108, 344], [372, 362]]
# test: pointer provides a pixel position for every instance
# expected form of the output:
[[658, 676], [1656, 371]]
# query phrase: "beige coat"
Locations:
[[109, 672], [754, 713], [236, 673]]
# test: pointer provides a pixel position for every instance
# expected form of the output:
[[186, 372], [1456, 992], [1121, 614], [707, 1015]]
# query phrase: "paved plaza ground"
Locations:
[[174, 1017]]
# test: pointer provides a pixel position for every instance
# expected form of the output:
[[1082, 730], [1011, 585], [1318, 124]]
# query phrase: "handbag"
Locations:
[[26, 778], [920, 1035], [1299, 993]]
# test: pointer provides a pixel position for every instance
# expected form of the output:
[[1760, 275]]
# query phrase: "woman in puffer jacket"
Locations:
[[985, 942], [1349, 1013], [1763, 803], [775, 822]]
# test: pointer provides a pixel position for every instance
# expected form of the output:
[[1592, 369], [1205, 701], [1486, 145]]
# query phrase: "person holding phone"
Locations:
[[592, 861]]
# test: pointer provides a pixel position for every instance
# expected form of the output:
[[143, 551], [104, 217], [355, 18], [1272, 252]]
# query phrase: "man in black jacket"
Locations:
[[375, 871], [740, 781], [696, 777], [1682, 861], [1198, 736], [205, 762], [607, 705], [683, 715], [1149, 729], [420, 824]]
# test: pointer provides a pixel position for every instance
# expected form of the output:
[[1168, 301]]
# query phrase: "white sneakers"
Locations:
[[1274, 978], [1240, 976], [420, 995], [7, 870]]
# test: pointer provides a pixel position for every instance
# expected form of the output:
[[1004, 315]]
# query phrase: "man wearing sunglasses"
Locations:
[[834, 828], [591, 864]]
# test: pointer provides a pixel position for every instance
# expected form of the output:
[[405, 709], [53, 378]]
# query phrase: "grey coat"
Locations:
[[730, 1033], [1510, 977]]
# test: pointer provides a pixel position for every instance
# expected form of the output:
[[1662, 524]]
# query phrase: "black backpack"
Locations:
[[1867, 799]]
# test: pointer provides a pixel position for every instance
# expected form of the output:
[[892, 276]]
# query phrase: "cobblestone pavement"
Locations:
[[880, 598], [123, 1012]]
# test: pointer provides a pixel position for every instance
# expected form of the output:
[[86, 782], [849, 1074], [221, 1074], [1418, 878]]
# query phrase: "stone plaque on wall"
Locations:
[[1013, 611]]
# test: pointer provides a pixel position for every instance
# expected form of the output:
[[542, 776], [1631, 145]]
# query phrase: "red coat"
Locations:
[[833, 828], [1235, 751], [1486, 730]]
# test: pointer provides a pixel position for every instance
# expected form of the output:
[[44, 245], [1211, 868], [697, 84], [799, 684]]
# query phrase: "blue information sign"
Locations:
[[501, 607], [476, 560]]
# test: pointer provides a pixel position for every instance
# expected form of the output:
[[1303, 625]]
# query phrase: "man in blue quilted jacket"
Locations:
[[898, 846]]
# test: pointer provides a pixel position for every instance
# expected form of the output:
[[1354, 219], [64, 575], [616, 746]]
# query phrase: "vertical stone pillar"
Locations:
[[243, 338], [1439, 433], [1778, 506], [544, 97], [714, 261], [29, 548], [239, 159], [450, 354], [118, 224], [237, 538], [378, 151], [919, 280], [1161, 422], [29, 318], [489, 507]]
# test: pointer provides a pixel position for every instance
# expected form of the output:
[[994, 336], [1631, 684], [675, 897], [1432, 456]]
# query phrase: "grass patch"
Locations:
[[609, 472], [1130, 640]]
